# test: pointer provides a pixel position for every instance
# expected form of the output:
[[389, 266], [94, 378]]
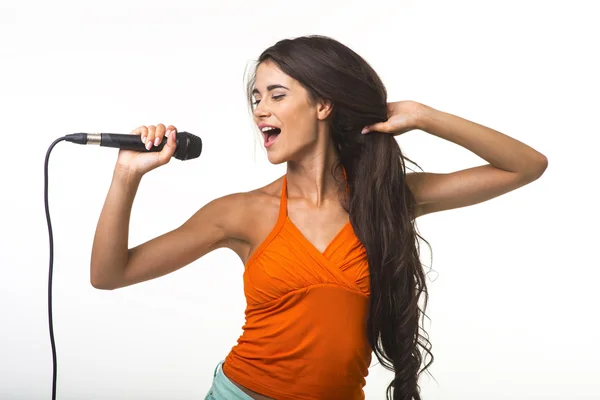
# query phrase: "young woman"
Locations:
[[332, 268]]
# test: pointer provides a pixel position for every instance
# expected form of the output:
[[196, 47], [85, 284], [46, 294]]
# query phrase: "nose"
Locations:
[[261, 111]]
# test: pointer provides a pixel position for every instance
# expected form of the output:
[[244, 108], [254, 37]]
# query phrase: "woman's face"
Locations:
[[281, 102]]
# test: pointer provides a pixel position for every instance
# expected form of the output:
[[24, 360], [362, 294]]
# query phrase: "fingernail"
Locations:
[[143, 139], [365, 130], [149, 145], [168, 132], [157, 141]]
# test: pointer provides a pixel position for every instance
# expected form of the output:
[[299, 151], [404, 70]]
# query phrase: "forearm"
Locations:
[[498, 149], [110, 252]]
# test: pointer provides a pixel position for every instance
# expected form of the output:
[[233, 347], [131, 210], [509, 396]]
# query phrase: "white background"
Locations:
[[514, 290]]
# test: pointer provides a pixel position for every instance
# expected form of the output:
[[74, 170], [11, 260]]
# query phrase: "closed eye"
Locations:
[[278, 97]]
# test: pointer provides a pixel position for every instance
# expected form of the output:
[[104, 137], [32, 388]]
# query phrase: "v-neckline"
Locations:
[[308, 243]]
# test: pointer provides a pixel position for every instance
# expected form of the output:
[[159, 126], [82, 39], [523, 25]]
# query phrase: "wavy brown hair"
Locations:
[[379, 203]]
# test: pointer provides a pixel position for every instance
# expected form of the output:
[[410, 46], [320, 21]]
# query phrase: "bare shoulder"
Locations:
[[244, 217]]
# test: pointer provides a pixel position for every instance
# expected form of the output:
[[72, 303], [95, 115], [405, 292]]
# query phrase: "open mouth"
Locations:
[[270, 135]]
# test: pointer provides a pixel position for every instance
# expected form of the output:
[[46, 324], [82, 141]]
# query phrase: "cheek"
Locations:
[[302, 123]]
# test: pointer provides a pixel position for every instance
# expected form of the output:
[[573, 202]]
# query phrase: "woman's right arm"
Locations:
[[114, 265], [110, 253]]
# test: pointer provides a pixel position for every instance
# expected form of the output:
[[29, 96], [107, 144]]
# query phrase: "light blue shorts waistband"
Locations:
[[223, 389]]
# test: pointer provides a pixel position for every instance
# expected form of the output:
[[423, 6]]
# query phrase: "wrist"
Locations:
[[427, 117], [421, 115], [127, 176]]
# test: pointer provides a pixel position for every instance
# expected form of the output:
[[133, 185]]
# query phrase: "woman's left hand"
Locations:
[[403, 116]]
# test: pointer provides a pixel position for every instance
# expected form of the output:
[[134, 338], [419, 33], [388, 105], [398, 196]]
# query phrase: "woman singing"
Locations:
[[332, 267]]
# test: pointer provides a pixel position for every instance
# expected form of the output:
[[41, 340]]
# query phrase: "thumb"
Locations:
[[379, 127]]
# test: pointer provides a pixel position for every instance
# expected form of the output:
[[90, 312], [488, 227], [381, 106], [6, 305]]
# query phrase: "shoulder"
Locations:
[[238, 213]]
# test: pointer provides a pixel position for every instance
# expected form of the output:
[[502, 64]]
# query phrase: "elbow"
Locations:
[[543, 164], [98, 282], [538, 169], [102, 287]]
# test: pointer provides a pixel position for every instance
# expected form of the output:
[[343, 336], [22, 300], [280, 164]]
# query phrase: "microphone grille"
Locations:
[[188, 146]]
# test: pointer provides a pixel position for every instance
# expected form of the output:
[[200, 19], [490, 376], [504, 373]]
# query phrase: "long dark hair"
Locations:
[[379, 203]]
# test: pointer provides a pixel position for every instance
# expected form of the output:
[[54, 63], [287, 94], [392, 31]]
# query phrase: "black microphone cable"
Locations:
[[188, 147], [54, 363]]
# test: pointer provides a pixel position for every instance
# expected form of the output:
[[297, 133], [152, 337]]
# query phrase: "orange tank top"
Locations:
[[306, 316]]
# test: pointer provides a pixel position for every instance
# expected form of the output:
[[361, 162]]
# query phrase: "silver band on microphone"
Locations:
[[93, 138]]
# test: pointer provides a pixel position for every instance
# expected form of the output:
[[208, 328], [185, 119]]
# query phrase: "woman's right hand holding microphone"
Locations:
[[138, 163]]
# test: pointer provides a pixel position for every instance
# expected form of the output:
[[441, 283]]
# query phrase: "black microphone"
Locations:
[[188, 145]]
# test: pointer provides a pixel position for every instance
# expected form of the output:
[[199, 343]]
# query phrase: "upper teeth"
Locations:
[[267, 128]]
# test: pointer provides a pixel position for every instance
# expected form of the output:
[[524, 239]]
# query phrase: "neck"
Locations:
[[312, 179]]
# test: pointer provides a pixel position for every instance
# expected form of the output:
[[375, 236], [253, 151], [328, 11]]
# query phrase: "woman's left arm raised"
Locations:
[[512, 164]]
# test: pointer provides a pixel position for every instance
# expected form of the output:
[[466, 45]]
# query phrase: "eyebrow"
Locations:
[[269, 88]]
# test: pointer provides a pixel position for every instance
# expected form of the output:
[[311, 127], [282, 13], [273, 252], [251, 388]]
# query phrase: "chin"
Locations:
[[276, 160]]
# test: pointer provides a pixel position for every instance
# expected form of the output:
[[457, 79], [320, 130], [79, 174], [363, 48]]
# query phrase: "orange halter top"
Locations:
[[306, 315]]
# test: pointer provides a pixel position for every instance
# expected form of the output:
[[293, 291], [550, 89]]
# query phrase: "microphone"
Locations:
[[188, 145]]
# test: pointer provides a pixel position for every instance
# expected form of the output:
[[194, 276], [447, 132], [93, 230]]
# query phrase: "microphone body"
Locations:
[[188, 145]]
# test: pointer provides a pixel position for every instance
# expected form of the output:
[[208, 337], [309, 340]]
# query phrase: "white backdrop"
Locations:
[[514, 293]]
